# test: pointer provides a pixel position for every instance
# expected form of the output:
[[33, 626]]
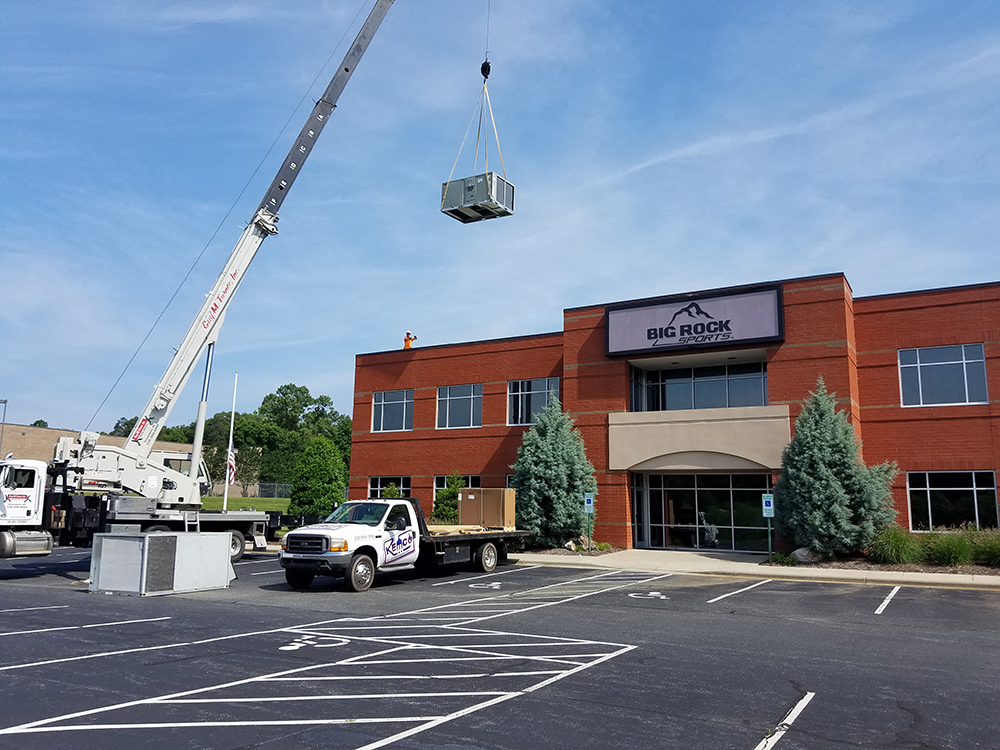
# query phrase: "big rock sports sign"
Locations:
[[696, 321]]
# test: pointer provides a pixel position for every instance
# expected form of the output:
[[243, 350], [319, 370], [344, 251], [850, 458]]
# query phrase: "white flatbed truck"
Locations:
[[362, 537]]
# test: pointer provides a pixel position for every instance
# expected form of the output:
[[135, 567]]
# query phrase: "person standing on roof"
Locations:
[[408, 340]]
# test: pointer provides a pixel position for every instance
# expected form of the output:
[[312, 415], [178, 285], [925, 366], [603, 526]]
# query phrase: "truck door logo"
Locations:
[[399, 546]]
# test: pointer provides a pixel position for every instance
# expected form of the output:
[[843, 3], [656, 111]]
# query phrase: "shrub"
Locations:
[[893, 545], [784, 558], [986, 548], [949, 549]]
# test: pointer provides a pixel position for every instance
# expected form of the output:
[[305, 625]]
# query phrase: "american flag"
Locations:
[[232, 465]]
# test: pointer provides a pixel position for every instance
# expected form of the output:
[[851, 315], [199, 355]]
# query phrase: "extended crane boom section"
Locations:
[[204, 328]]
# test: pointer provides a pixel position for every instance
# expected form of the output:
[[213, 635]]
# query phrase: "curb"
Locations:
[[749, 570]]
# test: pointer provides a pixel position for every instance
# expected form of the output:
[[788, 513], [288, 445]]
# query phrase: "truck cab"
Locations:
[[354, 541], [22, 489]]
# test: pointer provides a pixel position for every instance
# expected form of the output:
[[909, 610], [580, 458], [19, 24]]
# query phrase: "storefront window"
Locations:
[[948, 499], [702, 511], [712, 387]]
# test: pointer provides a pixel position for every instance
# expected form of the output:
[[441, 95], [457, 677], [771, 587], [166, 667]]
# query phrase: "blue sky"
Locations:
[[657, 147]]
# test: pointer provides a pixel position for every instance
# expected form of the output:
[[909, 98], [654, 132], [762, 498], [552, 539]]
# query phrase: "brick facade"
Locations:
[[851, 342]]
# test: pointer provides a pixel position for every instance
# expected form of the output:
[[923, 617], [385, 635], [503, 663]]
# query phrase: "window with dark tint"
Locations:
[[948, 499], [712, 387], [392, 411], [943, 375], [460, 406], [472, 481], [525, 398], [378, 485]]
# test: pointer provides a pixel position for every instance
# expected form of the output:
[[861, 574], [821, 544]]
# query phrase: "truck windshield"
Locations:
[[369, 514]]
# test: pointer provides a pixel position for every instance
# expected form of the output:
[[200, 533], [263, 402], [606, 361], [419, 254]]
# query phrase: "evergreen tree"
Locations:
[[551, 475], [391, 491], [318, 479], [827, 499], [446, 501]]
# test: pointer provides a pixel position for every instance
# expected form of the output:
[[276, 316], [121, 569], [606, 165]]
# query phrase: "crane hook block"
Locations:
[[485, 69]]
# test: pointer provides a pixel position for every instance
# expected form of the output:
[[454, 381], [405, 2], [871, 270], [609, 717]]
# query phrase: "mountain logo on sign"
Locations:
[[698, 332], [693, 311]]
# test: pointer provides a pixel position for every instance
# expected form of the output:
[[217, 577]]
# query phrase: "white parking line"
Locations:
[[485, 575], [255, 562], [769, 742], [31, 609], [268, 572], [740, 591], [81, 627], [885, 602]]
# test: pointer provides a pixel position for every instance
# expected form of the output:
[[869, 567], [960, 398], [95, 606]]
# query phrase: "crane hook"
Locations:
[[485, 69]]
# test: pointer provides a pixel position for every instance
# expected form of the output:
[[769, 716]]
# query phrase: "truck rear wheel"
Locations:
[[361, 573], [238, 545], [486, 557], [298, 579]]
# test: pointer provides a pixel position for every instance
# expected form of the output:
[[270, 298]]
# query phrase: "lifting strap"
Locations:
[[480, 132]]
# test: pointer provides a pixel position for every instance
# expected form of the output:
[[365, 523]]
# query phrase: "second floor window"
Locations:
[[392, 411], [525, 398], [943, 375], [712, 387], [460, 406]]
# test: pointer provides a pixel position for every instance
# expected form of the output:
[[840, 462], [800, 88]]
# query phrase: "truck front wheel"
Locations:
[[298, 579], [486, 557], [361, 573], [238, 545]]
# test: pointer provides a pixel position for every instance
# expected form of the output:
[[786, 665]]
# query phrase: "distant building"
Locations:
[[686, 401]]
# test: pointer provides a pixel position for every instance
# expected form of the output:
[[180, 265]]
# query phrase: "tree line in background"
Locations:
[[293, 437]]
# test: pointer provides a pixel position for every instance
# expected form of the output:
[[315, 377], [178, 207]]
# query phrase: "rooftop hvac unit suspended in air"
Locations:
[[483, 196]]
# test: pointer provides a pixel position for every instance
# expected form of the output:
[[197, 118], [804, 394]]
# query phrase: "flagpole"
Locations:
[[230, 455]]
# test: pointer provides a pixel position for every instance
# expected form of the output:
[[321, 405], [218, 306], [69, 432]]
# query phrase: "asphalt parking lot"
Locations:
[[525, 657]]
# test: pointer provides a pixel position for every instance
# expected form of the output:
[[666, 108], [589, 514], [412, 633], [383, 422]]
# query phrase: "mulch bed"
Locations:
[[862, 564]]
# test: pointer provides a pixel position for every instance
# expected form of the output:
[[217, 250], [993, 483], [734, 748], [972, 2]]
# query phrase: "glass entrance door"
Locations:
[[699, 511]]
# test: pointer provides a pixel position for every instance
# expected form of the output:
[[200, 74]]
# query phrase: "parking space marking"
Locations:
[[256, 562], [885, 602], [32, 609], [790, 717], [740, 591], [485, 575], [391, 658], [82, 627], [268, 572]]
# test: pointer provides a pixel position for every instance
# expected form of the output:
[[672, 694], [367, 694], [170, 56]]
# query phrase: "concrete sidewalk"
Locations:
[[749, 566]]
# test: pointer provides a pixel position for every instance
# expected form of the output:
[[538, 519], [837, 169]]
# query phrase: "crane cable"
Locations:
[[484, 69]]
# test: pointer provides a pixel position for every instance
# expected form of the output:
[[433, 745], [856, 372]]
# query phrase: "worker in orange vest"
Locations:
[[408, 340]]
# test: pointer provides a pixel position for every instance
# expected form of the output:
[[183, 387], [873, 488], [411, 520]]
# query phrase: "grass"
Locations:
[[894, 545], [256, 503]]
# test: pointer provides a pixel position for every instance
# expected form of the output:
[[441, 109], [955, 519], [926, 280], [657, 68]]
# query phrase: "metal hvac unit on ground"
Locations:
[[482, 196]]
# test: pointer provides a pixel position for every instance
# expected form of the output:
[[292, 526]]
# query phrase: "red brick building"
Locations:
[[686, 401]]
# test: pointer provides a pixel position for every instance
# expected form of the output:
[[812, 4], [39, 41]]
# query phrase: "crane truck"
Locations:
[[89, 488]]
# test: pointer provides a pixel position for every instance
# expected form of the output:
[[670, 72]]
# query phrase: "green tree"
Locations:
[[215, 461], [391, 491], [551, 475], [182, 433], [248, 460], [446, 501], [827, 499], [319, 479], [123, 427], [39, 423]]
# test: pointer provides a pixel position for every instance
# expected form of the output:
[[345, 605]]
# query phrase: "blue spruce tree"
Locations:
[[551, 475], [827, 499]]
